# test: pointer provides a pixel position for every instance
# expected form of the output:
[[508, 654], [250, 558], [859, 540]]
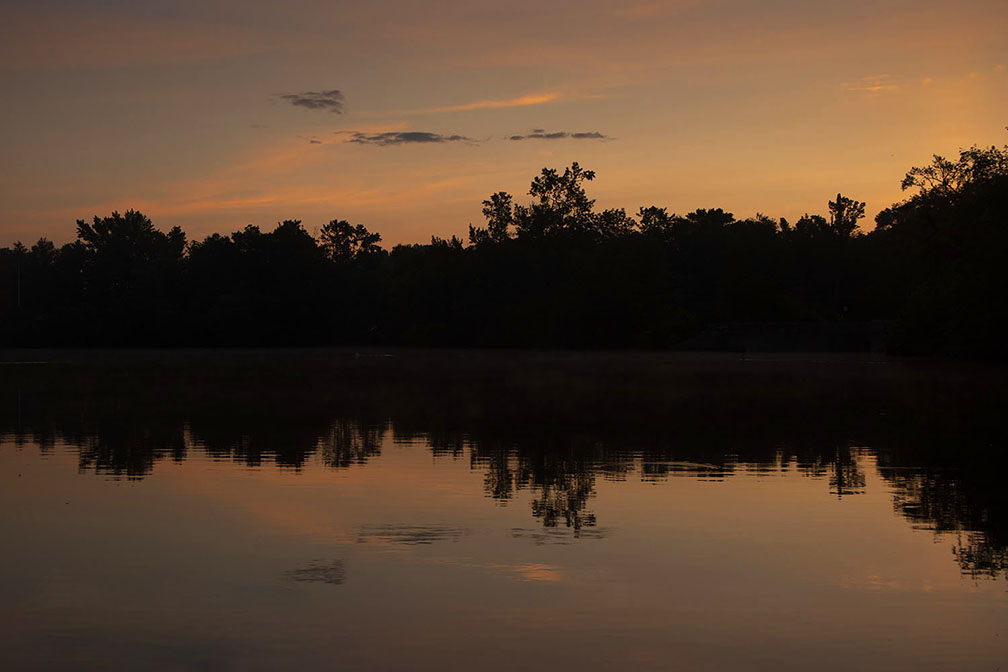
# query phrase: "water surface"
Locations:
[[441, 511]]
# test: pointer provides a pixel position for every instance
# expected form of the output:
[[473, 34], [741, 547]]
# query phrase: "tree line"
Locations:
[[555, 272]]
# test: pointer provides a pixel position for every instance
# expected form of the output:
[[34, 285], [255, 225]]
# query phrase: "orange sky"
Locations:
[[201, 113]]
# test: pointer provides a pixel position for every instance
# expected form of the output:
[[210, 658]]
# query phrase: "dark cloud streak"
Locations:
[[404, 138], [541, 134], [331, 101]]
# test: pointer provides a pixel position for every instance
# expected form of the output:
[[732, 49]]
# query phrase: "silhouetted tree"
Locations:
[[131, 277], [948, 243], [944, 178], [344, 242], [655, 221], [612, 223], [811, 226], [125, 244], [844, 215], [499, 214], [453, 243], [561, 203]]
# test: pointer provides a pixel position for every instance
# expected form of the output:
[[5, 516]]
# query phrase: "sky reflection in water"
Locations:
[[416, 523]]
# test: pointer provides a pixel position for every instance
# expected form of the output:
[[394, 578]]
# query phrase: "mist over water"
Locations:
[[461, 510]]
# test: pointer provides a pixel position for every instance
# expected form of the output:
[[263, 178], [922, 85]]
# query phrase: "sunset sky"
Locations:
[[403, 116]]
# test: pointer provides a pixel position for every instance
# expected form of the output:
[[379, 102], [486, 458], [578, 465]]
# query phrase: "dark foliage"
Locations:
[[555, 272]]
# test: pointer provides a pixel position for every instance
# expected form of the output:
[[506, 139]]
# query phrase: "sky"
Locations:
[[403, 116]]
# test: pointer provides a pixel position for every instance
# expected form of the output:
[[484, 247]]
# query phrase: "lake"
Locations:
[[418, 510]]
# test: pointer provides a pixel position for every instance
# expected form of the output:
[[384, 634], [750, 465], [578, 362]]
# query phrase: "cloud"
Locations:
[[331, 101], [404, 138], [521, 101], [542, 134], [315, 142], [873, 84]]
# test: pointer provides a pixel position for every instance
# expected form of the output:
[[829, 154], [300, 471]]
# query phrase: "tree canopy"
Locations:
[[550, 271]]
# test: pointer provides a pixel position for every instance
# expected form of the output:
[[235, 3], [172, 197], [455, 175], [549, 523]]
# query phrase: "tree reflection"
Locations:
[[129, 449], [348, 443], [846, 477], [978, 557], [548, 438], [946, 504]]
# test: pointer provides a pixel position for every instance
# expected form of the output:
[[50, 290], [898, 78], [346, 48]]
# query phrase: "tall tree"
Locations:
[[499, 214], [844, 215], [345, 242], [561, 203]]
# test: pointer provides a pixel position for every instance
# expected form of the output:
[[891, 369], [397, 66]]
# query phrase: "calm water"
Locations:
[[459, 511]]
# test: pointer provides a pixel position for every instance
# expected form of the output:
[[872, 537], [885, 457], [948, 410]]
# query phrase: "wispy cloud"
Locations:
[[331, 101], [873, 84], [650, 10], [404, 138], [543, 134], [521, 101]]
